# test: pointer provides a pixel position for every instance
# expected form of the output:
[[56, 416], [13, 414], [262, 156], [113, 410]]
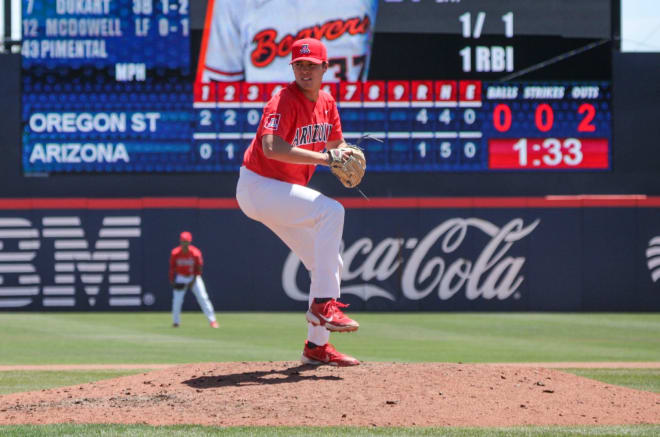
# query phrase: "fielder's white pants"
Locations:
[[308, 222], [199, 290]]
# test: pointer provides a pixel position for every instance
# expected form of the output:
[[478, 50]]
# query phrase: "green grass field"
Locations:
[[148, 338]]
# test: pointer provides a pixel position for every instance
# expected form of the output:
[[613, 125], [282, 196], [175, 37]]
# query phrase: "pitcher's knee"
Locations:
[[333, 214], [336, 209]]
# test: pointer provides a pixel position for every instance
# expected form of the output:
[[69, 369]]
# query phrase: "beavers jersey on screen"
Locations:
[[251, 39]]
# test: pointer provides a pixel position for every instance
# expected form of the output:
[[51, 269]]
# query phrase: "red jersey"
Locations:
[[301, 123], [186, 264]]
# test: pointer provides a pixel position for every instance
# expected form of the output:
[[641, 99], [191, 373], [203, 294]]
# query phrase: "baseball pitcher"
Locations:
[[300, 129]]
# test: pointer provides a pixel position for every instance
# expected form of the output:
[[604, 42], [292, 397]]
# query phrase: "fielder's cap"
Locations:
[[309, 49], [185, 236]]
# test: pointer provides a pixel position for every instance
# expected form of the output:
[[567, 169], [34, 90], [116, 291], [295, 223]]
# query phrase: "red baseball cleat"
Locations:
[[214, 324], [326, 354], [329, 315]]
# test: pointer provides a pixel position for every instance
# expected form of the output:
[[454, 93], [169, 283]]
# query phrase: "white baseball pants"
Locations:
[[199, 290], [308, 222]]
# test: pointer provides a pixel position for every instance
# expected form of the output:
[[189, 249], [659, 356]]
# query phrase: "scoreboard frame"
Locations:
[[451, 128]]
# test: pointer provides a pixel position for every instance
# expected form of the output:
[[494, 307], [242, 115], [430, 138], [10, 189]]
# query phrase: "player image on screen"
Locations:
[[251, 40]]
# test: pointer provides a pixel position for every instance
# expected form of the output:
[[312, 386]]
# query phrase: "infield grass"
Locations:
[[139, 338], [639, 379], [30, 380]]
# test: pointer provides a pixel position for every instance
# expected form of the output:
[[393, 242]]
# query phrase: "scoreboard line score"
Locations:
[[432, 125]]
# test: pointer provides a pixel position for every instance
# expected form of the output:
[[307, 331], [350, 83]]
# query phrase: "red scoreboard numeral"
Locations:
[[204, 92], [544, 111], [331, 88], [585, 125], [502, 117], [273, 88], [374, 92], [252, 92], [350, 92], [228, 92]]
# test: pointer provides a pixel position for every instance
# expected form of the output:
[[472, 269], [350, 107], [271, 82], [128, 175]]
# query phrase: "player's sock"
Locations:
[[311, 345], [322, 299]]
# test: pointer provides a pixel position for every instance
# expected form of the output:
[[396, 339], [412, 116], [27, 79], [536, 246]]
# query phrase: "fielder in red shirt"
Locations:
[[186, 274], [298, 126]]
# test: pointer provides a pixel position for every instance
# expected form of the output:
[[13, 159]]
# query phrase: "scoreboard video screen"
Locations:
[[130, 86]]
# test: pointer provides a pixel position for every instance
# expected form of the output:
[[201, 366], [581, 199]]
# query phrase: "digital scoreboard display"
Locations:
[[110, 86], [107, 86], [541, 126]]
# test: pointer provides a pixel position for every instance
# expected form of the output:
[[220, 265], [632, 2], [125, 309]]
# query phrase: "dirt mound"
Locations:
[[380, 394]]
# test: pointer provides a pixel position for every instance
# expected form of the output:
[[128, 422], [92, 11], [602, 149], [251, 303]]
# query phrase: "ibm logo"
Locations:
[[75, 259]]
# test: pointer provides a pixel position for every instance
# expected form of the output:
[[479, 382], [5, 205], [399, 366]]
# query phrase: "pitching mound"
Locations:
[[380, 394]]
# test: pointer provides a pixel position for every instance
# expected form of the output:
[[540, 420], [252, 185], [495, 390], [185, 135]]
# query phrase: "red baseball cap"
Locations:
[[309, 49], [185, 236]]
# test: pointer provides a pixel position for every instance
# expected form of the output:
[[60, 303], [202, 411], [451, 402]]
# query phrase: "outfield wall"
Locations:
[[562, 253]]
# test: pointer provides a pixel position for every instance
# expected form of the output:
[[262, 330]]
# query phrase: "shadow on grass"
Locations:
[[273, 376]]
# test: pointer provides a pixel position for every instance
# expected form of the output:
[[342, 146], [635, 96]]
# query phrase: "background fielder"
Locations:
[[251, 39], [186, 274]]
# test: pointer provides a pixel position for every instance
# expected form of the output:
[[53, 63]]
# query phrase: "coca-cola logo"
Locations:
[[653, 258], [491, 274]]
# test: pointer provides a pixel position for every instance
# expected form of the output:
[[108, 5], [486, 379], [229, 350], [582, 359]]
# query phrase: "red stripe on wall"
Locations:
[[584, 201], [434, 202], [131, 203], [15, 203], [603, 200], [170, 202], [650, 202], [218, 203]]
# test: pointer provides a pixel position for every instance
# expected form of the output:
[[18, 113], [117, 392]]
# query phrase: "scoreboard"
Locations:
[[107, 86], [431, 125]]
